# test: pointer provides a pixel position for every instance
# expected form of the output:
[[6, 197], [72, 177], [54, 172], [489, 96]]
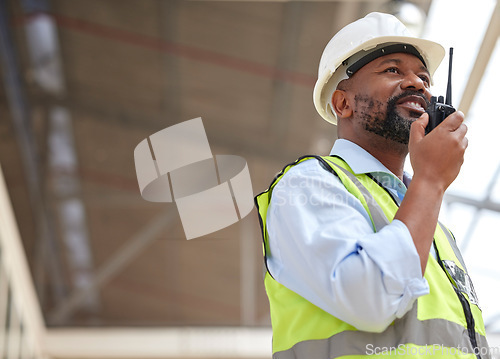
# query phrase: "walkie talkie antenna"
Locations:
[[448, 89]]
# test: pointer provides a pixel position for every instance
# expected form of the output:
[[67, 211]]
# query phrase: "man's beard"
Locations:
[[392, 126]]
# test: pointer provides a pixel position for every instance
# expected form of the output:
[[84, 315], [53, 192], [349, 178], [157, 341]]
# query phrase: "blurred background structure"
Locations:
[[88, 269]]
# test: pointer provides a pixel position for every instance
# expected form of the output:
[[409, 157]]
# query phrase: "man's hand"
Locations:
[[436, 160], [438, 156]]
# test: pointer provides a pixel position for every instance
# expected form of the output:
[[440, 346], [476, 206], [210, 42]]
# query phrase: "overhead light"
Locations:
[[43, 48]]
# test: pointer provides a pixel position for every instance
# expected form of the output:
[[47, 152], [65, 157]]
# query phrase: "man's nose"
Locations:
[[414, 82]]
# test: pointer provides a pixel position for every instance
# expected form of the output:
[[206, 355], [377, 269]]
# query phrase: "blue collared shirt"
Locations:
[[322, 244]]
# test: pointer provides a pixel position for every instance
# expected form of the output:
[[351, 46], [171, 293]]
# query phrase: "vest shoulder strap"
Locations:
[[346, 175], [338, 167]]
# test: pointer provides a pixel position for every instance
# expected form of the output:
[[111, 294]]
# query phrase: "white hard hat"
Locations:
[[374, 35]]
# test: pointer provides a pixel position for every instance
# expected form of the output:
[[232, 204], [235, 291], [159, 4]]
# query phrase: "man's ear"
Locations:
[[341, 104]]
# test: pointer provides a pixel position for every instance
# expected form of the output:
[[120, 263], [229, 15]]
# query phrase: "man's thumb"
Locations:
[[417, 131]]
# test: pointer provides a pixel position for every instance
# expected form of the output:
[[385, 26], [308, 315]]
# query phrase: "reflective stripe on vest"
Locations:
[[436, 337], [415, 331], [378, 217]]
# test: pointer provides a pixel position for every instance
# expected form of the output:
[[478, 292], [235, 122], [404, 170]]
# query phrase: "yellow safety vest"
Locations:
[[446, 323]]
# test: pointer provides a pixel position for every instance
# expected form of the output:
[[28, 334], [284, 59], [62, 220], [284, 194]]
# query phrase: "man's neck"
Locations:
[[393, 161], [391, 154]]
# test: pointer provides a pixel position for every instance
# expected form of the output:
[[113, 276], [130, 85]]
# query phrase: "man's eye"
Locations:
[[394, 70], [426, 79]]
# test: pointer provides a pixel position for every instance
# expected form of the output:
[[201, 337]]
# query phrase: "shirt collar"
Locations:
[[361, 161]]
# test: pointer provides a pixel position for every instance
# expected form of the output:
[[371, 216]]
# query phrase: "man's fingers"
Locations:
[[462, 129], [454, 121]]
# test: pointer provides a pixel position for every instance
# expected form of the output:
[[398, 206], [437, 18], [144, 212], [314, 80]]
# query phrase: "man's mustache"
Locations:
[[395, 99]]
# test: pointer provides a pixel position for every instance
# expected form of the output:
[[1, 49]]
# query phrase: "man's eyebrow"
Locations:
[[386, 61], [398, 62]]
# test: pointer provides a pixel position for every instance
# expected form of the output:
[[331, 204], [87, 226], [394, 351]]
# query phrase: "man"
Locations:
[[357, 261]]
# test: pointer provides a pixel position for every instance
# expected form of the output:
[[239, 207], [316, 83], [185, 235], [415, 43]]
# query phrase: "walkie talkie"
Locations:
[[439, 108]]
